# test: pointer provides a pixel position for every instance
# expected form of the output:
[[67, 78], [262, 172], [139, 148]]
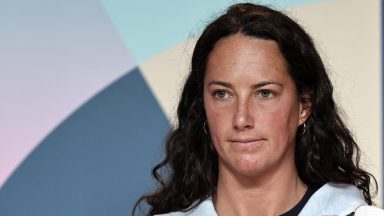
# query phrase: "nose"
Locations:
[[243, 118]]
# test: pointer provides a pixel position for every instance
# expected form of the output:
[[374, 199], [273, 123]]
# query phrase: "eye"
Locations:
[[266, 94], [220, 94]]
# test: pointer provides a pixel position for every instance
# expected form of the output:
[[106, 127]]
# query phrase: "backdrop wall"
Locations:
[[88, 91]]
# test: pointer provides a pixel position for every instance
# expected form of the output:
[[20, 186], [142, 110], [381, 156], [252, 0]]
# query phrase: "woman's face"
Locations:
[[252, 106]]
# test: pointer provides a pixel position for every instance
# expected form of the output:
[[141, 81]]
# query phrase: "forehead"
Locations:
[[244, 55]]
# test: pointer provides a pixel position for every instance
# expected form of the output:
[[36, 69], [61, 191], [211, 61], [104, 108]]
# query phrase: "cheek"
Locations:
[[213, 110], [217, 122], [282, 121]]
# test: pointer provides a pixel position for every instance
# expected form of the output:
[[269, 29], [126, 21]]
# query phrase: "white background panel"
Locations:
[[347, 33]]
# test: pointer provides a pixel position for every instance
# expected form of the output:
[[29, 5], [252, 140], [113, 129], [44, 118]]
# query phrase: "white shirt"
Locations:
[[329, 200]]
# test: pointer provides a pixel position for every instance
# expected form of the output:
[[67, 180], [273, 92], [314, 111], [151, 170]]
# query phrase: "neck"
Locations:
[[265, 195]]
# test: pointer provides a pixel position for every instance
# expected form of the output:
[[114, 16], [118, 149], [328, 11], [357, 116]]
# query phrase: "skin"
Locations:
[[253, 112]]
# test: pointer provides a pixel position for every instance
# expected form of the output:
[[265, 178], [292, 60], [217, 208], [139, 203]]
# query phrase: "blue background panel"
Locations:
[[97, 162]]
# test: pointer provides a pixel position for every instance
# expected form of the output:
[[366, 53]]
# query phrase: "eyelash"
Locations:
[[264, 91], [217, 92], [261, 92]]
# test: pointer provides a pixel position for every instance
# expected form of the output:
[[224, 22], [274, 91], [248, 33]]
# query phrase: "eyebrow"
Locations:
[[257, 85]]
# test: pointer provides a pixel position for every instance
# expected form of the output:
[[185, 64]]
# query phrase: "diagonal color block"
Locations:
[[165, 74], [97, 162], [54, 56], [152, 27]]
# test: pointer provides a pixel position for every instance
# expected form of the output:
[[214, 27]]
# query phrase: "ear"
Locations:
[[305, 106]]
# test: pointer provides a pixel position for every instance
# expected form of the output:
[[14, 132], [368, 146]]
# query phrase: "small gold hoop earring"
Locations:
[[205, 130], [304, 129]]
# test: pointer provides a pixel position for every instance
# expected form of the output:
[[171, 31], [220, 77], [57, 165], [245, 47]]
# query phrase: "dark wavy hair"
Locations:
[[326, 152]]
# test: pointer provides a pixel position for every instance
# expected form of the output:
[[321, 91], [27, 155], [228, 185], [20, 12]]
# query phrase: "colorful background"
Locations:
[[88, 91]]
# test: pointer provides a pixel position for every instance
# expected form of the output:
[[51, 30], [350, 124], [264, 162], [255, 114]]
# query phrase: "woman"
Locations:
[[258, 130]]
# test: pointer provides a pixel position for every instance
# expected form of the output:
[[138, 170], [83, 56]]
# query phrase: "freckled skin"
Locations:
[[252, 107]]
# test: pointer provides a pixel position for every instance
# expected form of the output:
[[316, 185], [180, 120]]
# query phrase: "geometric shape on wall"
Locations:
[[149, 28], [97, 162], [165, 74], [54, 56]]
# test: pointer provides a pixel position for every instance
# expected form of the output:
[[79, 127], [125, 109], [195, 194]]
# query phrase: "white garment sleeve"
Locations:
[[369, 211]]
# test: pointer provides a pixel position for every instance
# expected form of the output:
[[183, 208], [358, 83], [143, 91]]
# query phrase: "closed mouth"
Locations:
[[246, 142]]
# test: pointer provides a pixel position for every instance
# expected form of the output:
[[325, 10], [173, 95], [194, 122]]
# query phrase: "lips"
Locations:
[[247, 144]]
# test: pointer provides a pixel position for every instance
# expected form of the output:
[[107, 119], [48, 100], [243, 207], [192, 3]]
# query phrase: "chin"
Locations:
[[248, 166]]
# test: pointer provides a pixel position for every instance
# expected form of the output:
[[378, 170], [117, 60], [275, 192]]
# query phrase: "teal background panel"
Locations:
[[151, 27], [97, 162]]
